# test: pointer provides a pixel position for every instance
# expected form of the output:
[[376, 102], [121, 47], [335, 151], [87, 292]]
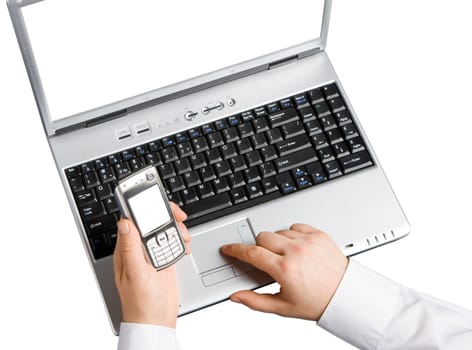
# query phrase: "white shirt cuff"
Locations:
[[138, 336], [362, 307]]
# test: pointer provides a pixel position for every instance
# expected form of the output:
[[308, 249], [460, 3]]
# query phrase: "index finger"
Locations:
[[259, 257]]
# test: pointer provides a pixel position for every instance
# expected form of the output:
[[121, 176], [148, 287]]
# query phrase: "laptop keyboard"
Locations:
[[231, 164]]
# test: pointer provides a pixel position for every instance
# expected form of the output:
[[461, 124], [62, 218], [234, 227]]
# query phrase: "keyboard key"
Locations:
[[244, 146], [182, 166], [93, 211], [330, 91], [260, 112], [293, 129], [269, 185], [315, 96], [192, 178], [189, 195], [223, 168], [267, 170], [313, 127], [260, 125], [140, 151], [85, 197], [336, 104], [106, 175], [155, 146], [91, 180], [247, 116], [292, 145], [332, 169], [343, 117], [340, 150], [355, 161], [127, 155], [154, 159], [231, 134], [274, 136], [307, 114], [326, 154], [259, 141], [320, 141], [72, 172], [101, 163], [111, 205], [87, 168], [356, 145], [268, 153], [251, 175], [207, 173], [175, 184], [299, 172], [321, 109], [238, 163], [285, 183], [76, 184], [334, 136], [245, 129], [194, 133], [114, 159], [317, 173], [169, 154], [328, 122], [103, 191], [198, 161], [253, 158], [236, 180], [286, 103], [234, 120], [221, 185], [301, 101], [238, 195], [181, 137], [304, 182], [167, 171], [185, 149], [350, 131], [221, 124], [200, 145], [283, 117], [205, 190], [208, 129], [100, 246], [168, 141], [254, 190], [213, 156], [228, 151], [273, 107], [215, 140], [137, 163], [296, 159], [207, 206], [101, 225], [175, 197]]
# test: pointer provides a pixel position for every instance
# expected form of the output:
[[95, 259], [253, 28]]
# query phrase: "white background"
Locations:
[[406, 66]]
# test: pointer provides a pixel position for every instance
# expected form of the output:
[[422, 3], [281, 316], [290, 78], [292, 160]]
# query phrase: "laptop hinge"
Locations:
[[293, 59]]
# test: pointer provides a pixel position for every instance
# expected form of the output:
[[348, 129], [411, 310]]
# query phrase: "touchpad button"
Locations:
[[206, 244]]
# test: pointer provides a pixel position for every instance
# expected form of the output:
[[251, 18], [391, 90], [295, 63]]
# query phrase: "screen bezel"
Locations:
[[156, 96]]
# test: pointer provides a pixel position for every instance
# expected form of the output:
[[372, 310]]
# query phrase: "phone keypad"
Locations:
[[165, 247]]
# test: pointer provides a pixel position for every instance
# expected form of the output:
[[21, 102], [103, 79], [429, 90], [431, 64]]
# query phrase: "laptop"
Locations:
[[239, 109]]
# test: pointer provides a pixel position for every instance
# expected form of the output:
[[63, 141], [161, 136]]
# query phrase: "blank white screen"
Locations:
[[149, 210], [89, 54]]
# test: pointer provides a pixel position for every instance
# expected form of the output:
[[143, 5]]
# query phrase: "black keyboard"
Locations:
[[233, 163]]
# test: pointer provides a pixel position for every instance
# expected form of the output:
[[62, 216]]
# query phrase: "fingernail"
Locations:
[[123, 227]]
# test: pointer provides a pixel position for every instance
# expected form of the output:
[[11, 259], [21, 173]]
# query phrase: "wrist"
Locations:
[[158, 318]]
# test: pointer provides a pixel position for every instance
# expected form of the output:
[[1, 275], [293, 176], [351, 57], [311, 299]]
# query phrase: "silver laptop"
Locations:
[[238, 107]]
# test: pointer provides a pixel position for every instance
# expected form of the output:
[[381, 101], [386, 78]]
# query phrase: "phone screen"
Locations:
[[149, 210]]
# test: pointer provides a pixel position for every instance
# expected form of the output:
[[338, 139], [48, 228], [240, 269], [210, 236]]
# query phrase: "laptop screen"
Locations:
[[93, 53]]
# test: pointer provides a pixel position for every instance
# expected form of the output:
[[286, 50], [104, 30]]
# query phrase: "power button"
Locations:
[[231, 102]]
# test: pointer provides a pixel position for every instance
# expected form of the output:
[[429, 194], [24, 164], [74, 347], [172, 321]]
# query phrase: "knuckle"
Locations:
[[253, 252]]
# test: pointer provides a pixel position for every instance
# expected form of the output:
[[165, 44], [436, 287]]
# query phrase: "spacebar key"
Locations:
[[207, 206]]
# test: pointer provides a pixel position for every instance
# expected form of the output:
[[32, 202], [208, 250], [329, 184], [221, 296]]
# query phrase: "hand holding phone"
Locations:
[[142, 199]]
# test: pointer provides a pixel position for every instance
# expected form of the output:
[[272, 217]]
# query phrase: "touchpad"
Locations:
[[206, 244]]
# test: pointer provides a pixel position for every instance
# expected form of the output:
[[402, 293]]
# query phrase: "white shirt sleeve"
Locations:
[[139, 336], [370, 311]]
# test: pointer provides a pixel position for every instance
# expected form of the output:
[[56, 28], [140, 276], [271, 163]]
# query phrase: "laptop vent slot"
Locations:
[[380, 238]]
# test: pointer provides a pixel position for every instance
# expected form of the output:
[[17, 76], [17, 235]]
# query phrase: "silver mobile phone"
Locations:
[[142, 198]]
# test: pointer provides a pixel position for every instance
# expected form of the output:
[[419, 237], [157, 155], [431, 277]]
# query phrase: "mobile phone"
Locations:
[[142, 199]]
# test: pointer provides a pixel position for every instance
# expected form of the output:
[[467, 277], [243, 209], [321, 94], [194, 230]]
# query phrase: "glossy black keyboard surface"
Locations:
[[233, 163]]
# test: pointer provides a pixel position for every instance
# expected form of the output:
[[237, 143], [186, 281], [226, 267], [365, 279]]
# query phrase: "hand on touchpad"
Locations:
[[206, 244]]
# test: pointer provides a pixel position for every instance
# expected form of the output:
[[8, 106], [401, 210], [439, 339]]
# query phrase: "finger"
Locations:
[[129, 248], [273, 242], [257, 256], [303, 228], [186, 236], [260, 302], [288, 234], [178, 213]]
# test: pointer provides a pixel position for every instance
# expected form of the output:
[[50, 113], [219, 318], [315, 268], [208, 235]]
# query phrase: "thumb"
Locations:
[[129, 248], [260, 302]]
